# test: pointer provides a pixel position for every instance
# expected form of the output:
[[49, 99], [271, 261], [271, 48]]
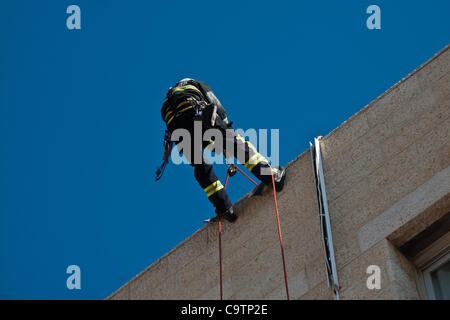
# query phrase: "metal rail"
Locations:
[[325, 225]]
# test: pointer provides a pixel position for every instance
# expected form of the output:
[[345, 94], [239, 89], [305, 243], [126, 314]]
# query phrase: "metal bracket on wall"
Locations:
[[325, 225]]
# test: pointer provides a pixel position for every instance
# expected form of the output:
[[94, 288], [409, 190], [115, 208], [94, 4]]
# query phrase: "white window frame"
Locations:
[[426, 274]]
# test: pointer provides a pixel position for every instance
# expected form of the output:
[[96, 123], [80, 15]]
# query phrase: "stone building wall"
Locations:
[[387, 176]]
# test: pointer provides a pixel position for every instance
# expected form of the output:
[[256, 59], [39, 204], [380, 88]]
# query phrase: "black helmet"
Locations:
[[183, 82]]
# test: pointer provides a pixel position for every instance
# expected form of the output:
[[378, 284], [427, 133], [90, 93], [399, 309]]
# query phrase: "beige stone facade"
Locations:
[[387, 178]]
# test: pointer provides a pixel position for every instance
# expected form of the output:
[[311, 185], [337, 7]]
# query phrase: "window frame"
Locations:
[[431, 267]]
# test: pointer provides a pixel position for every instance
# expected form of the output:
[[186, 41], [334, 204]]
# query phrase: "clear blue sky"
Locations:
[[81, 133]]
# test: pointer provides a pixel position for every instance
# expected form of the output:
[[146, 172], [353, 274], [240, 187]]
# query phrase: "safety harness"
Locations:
[[184, 97], [168, 144]]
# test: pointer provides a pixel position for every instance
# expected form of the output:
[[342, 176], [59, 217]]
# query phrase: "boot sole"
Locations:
[[280, 185]]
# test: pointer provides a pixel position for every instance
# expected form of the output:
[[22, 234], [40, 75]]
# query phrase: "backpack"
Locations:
[[187, 94]]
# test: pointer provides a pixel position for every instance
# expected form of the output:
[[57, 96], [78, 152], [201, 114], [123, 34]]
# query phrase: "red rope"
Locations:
[[219, 225], [226, 180], [279, 234], [245, 175], [220, 256]]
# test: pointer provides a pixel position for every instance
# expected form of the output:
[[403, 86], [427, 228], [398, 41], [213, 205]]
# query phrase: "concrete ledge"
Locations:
[[405, 210]]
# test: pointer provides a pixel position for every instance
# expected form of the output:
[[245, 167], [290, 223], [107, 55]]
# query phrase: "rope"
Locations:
[[219, 225], [279, 234], [220, 256], [246, 175]]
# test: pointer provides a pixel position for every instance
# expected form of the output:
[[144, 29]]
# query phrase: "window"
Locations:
[[437, 278]]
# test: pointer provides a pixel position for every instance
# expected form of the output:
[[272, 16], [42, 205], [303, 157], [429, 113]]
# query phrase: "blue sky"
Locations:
[[81, 133]]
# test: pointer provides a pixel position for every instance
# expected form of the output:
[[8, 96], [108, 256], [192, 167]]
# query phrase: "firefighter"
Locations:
[[189, 101]]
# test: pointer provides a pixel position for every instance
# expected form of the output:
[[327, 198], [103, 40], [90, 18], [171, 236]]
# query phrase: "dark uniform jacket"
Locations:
[[184, 96]]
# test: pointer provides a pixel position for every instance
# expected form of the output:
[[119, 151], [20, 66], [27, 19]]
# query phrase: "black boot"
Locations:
[[279, 176], [228, 215]]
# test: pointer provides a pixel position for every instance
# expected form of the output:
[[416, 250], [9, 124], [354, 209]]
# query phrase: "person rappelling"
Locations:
[[191, 103]]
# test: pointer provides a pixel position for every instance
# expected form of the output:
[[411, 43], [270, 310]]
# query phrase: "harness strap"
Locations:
[[168, 144]]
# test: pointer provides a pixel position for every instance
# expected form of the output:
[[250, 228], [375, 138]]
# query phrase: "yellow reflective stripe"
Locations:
[[250, 146], [213, 188], [225, 120], [182, 110], [209, 194], [212, 185], [188, 87], [260, 158], [239, 137], [256, 158], [252, 158], [167, 115], [170, 112], [253, 161], [170, 120]]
